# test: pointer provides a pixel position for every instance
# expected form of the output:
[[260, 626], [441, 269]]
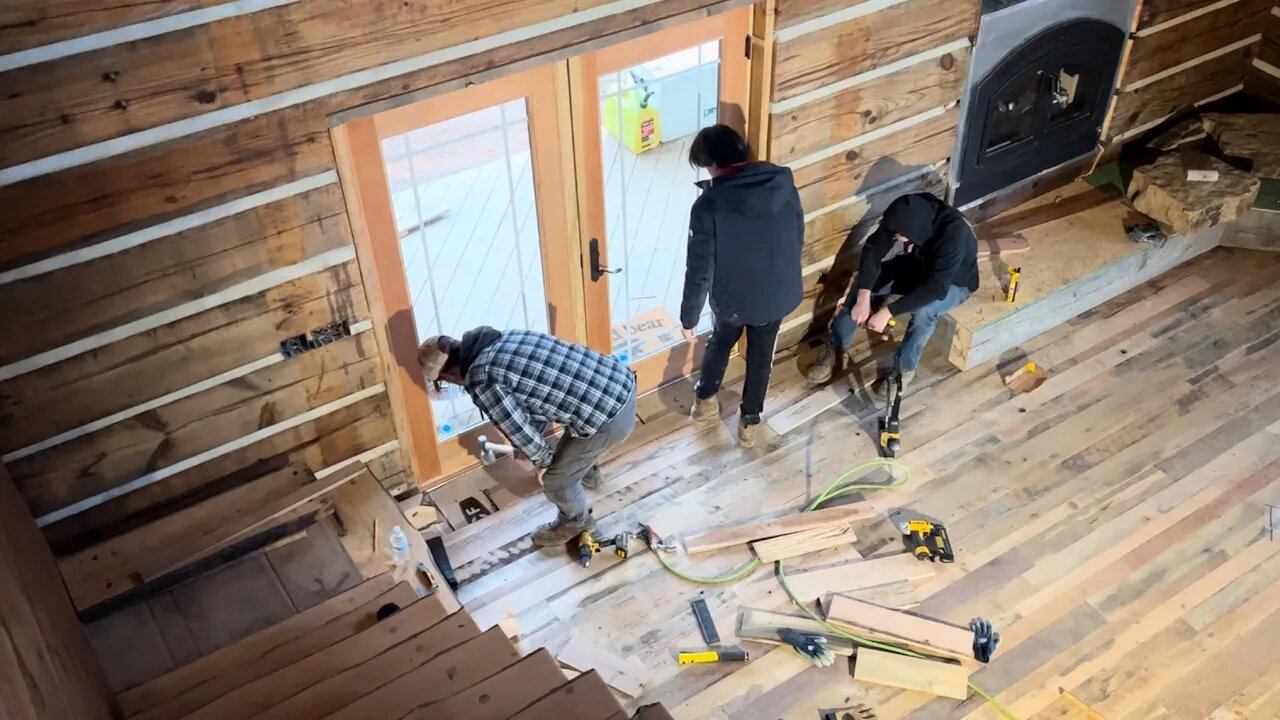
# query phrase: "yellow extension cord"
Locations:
[[837, 488]]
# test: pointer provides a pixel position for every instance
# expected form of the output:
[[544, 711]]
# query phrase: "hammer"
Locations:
[[489, 451]]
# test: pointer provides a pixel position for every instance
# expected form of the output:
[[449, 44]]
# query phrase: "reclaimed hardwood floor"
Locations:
[[1111, 523]]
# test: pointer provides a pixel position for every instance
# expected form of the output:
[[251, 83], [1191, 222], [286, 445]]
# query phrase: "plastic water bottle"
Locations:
[[399, 546]]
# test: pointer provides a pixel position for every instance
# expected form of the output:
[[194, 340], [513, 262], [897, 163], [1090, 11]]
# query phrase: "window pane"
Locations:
[[463, 195], [649, 188]]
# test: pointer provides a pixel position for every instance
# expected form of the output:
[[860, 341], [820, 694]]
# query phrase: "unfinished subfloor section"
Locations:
[[1111, 523]]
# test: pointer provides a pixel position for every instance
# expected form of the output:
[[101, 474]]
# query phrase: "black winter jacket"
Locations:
[[746, 231], [946, 246]]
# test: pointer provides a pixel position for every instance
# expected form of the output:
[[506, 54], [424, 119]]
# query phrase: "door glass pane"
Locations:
[[649, 114], [463, 195], [1013, 112]]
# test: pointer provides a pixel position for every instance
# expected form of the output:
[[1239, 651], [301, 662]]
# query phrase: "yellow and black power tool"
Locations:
[[588, 546], [891, 422], [927, 541]]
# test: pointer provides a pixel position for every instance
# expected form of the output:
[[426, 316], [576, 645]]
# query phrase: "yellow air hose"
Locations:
[[836, 488]]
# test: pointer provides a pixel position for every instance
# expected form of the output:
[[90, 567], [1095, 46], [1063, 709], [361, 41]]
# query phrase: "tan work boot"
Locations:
[[705, 410], [823, 368], [747, 434], [561, 531]]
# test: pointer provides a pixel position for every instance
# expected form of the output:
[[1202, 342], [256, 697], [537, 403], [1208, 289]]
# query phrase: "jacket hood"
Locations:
[[755, 188], [473, 343], [913, 217]]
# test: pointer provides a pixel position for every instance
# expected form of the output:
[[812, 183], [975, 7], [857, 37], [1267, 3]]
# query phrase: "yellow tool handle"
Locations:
[[701, 656]]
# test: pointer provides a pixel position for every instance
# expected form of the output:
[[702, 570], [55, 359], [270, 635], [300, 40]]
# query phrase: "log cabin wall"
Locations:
[[1185, 53], [172, 212], [864, 108], [47, 669], [1263, 77]]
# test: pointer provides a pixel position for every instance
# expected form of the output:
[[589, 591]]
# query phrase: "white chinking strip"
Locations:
[[1267, 68], [176, 395], [835, 18], [1134, 132], [263, 282], [1137, 84], [169, 227], [838, 87], [363, 457], [137, 31], [914, 174], [872, 136], [351, 81], [1185, 18], [241, 442]]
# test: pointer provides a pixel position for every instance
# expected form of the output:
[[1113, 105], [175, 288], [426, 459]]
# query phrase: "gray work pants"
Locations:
[[562, 482]]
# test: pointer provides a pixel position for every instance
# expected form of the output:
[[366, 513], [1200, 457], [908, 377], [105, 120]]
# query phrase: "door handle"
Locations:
[[598, 270]]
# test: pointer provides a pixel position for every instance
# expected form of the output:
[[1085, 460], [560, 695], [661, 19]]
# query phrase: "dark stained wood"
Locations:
[[57, 308], [59, 397], [250, 669], [407, 626], [64, 104], [1270, 50], [869, 166], [1151, 54], [825, 56], [1177, 92], [826, 235], [501, 694], [448, 671], [585, 697], [108, 569], [227, 658], [86, 204], [883, 101], [1155, 12], [96, 462], [26, 25], [47, 669], [372, 675], [323, 442]]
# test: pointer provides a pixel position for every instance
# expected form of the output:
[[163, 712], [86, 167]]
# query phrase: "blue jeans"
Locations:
[[919, 330]]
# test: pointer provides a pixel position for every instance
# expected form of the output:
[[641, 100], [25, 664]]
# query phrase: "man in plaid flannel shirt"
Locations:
[[523, 381]]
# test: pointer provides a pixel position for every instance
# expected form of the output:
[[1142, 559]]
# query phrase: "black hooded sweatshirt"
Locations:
[[746, 231], [948, 249]]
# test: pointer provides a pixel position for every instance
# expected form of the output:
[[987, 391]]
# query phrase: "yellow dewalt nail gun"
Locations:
[[927, 541]]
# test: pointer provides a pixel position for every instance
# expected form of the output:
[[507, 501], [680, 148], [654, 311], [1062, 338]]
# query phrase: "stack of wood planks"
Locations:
[[338, 661]]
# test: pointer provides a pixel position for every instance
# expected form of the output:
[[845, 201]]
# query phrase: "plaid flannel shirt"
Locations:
[[524, 380]]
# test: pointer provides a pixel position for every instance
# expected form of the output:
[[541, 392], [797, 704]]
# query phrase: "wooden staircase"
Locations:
[[338, 660]]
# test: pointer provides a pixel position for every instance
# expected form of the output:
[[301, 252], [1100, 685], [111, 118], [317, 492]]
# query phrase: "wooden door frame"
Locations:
[[358, 148], [584, 72]]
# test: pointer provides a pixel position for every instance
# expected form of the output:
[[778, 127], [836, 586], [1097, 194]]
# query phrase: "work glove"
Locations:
[[811, 647], [985, 639]]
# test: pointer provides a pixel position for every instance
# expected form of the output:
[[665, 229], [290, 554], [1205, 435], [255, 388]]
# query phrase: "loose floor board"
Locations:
[[908, 673]]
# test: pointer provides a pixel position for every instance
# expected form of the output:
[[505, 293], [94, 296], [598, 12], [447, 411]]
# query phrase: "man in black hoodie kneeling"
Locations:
[[746, 231], [924, 252]]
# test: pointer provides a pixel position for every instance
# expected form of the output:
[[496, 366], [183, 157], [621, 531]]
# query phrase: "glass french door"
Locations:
[[509, 204], [472, 228], [638, 106]]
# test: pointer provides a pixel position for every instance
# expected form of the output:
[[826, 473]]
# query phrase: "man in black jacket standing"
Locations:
[[745, 235], [924, 251]]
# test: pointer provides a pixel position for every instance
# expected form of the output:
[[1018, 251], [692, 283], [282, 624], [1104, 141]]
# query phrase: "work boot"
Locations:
[[747, 434], [591, 480], [705, 409], [561, 531], [823, 368]]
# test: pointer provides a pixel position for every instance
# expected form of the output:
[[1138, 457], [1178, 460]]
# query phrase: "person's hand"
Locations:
[[861, 312], [688, 333], [879, 321]]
